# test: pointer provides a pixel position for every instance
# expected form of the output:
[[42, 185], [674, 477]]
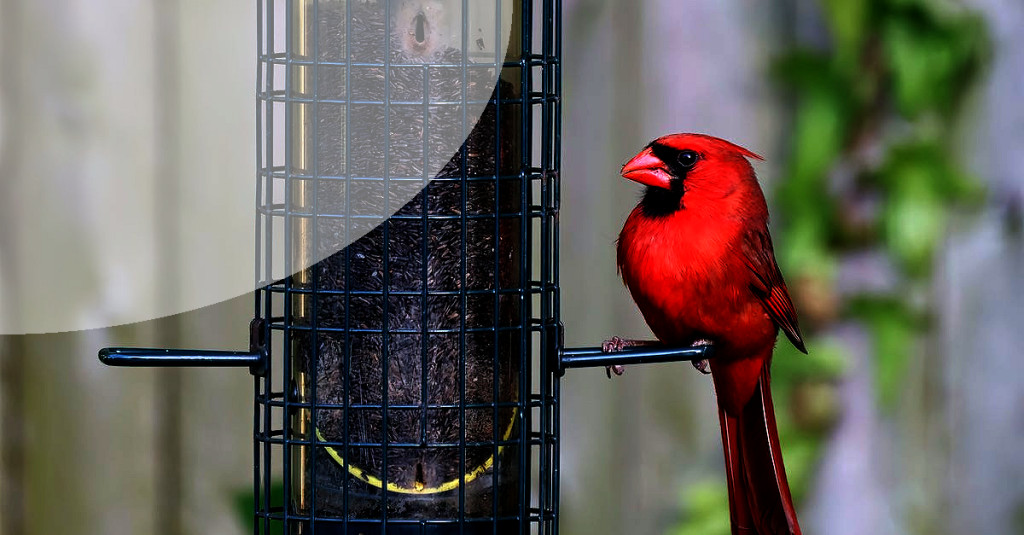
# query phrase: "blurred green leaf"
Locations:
[[848, 21], [931, 57], [825, 360], [945, 177], [802, 68], [705, 507], [819, 132], [805, 251], [921, 182], [914, 221]]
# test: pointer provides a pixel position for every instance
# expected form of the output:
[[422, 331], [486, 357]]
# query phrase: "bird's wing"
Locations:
[[768, 285]]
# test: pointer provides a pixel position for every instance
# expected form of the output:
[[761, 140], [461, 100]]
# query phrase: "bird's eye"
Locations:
[[688, 158]]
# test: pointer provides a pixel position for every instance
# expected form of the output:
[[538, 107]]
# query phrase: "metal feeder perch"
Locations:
[[407, 382]]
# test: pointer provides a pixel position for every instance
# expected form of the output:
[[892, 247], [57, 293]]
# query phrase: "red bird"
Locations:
[[698, 260]]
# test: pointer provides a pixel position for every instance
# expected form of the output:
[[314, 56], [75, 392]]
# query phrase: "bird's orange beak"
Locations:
[[648, 169]]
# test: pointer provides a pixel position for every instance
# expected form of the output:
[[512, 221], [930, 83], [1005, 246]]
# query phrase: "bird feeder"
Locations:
[[406, 345]]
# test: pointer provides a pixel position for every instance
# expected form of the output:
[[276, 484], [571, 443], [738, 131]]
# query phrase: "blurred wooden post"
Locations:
[[168, 167], [82, 441], [91, 97], [12, 436], [216, 140]]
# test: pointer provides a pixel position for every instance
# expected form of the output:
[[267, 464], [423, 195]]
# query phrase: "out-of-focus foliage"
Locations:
[[706, 508], [873, 165], [922, 182]]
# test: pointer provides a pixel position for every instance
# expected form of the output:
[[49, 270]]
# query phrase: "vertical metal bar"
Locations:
[[301, 157], [557, 163], [294, 491], [265, 385], [551, 183], [525, 268], [256, 459], [545, 268], [311, 246]]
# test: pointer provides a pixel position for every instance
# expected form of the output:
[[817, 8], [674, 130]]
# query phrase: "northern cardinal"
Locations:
[[697, 259]]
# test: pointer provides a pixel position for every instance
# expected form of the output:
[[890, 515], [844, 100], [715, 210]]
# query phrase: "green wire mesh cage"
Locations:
[[407, 392]]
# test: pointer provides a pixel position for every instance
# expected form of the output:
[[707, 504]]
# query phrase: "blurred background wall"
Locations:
[[96, 87]]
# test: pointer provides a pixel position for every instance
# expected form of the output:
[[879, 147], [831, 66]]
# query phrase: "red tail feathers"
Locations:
[[759, 499]]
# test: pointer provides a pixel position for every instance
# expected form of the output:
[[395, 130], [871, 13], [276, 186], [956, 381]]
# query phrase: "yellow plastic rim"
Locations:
[[375, 481]]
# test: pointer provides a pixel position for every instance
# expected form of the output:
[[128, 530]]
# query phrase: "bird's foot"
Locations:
[[614, 345], [615, 368], [702, 365]]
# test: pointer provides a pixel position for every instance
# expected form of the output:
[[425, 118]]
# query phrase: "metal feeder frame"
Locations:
[[283, 308]]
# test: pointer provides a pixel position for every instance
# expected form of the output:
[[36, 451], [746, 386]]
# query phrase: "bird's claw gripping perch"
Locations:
[[702, 365], [614, 345]]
